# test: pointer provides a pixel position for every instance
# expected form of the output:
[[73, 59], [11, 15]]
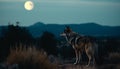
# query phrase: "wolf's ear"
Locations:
[[67, 27]]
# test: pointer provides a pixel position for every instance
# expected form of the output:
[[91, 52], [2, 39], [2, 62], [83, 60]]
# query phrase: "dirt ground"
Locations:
[[105, 66]]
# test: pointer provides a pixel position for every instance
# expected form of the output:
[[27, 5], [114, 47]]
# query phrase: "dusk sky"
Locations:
[[104, 12]]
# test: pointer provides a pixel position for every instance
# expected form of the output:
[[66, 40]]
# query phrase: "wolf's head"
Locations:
[[67, 31]]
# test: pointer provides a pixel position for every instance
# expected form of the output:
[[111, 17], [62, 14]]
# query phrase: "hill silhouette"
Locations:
[[91, 29]]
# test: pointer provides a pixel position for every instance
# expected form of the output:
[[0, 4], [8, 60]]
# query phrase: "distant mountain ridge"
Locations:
[[91, 29]]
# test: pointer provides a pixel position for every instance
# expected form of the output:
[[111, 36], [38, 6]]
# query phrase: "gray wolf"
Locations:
[[80, 44]]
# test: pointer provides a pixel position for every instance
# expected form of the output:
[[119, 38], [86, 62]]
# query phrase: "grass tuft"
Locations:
[[29, 58], [114, 57]]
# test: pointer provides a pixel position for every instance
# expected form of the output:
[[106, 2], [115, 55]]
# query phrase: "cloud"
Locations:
[[12, 0], [80, 2], [99, 3]]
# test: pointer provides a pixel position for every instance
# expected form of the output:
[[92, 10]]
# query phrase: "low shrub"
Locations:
[[114, 57], [29, 58]]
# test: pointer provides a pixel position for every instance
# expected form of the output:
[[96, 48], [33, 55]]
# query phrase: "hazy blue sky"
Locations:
[[104, 12]]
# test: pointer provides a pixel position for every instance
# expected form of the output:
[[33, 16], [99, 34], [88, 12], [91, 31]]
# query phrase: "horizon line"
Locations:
[[60, 24]]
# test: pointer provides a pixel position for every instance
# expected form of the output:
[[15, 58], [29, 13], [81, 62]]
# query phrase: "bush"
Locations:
[[114, 57], [48, 42], [29, 58]]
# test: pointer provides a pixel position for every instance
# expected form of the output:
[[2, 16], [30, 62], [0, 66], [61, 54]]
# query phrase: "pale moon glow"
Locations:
[[28, 5]]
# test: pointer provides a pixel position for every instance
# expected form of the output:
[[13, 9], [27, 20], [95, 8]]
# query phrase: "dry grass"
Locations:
[[29, 58], [114, 57]]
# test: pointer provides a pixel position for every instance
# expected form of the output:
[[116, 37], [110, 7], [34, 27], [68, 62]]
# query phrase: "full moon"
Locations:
[[28, 5]]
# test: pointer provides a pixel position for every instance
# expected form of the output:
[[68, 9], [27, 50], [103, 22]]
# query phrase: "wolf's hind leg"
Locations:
[[89, 53]]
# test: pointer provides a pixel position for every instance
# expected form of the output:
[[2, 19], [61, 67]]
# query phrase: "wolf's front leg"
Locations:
[[77, 56]]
